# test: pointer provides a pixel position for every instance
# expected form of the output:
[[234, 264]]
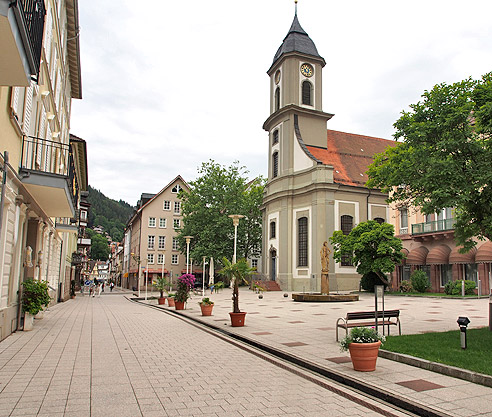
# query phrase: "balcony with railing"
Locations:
[[21, 26], [48, 172], [437, 226]]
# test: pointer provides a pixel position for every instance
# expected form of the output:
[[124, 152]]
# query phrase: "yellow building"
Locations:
[[43, 170]]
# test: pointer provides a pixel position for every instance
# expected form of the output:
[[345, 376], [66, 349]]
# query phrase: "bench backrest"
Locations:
[[360, 315]]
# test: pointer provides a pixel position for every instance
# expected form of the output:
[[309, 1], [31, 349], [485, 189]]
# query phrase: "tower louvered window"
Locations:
[[275, 165], [275, 137], [277, 99], [346, 224], [306, 93], [302, 241]]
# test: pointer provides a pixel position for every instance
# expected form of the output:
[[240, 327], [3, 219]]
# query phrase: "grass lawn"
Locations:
[[446, 348], [431, 294]]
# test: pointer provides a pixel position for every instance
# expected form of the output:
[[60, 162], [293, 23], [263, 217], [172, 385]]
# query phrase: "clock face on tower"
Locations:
[[307, 70]]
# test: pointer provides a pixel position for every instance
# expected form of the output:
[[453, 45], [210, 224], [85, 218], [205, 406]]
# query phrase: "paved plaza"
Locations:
[[109, 356]]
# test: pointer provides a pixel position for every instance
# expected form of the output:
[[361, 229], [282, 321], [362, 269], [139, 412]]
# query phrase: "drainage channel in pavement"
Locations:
[[346, 386]]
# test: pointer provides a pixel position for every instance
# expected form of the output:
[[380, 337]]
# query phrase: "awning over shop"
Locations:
[[438, 255], [417, 256], [484, 253], [462, 258]]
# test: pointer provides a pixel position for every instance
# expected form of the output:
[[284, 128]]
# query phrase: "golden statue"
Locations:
[[325, 257]]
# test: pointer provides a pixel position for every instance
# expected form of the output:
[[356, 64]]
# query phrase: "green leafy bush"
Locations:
[[454, 287], [368, 281], [419, 280], [361, 335], [35, 296], [406, 286]]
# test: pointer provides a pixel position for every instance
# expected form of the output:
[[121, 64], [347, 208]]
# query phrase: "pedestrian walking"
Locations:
[[111, 286], [99, 289], [102, 286]]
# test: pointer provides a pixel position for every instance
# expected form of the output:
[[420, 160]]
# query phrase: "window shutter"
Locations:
[[15, 99], [27, 109]]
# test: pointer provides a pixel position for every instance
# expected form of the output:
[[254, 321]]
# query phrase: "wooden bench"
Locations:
[[368, 319]]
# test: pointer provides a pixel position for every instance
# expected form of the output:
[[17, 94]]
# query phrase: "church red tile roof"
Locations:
[[350, 155]]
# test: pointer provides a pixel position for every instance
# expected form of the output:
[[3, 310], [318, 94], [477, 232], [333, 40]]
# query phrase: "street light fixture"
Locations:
[[188, 239], [136, 258], [235, 221]]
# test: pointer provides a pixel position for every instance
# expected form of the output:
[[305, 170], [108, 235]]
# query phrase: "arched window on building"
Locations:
[[277, 99], [275, 165], [307, 88], [272, 230], [379, 220], [302, 241]]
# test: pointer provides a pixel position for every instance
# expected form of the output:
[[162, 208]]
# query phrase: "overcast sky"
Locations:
[[168, 85]]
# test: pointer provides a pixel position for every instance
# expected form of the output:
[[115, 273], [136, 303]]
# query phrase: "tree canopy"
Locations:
[[218, 192], [99, 246], [444, 157], [370, 246]]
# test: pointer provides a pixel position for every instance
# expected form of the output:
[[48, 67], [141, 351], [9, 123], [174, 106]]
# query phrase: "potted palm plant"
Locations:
[[239, 272], [363, 344], [35, 296], [206, 305], [160, 285], [185, 284]]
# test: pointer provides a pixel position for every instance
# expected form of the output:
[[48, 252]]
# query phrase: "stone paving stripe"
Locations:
[[420, 385]]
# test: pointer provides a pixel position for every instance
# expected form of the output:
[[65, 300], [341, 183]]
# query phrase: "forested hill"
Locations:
[[112, 215]]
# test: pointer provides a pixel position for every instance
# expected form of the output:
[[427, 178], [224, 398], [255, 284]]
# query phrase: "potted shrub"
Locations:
[[363, 344], [206, 305], [160, 285], [239, 272], [170, 299], [35, 296], [72, 289], [185, 284]]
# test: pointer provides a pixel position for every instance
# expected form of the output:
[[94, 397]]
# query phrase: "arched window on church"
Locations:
[[302, 241], [275, 165], [277, 99], [307, 88], [346, 224], [275, 137]]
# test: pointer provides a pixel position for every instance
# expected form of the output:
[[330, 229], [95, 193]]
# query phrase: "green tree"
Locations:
[[371, 247], [99, 247], [218, 192], [443, 159]]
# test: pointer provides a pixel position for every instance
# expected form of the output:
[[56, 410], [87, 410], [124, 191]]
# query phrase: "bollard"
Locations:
[[463, 287]]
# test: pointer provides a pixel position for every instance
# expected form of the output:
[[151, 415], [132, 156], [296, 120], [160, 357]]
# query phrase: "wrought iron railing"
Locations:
[[30, 14], [431, 227]]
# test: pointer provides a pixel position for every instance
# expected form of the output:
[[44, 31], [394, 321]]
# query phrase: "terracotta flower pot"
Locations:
[[364, 355], [179, 305], [161, 300], [170, 301], [237, 319], [206, 309]]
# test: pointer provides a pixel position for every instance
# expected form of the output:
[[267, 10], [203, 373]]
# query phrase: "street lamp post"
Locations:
[[146, 279], [136, 258], [188, 239], [235, 221]]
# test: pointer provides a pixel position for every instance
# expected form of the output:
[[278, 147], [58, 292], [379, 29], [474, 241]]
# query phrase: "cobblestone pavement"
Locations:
[[107, 356]]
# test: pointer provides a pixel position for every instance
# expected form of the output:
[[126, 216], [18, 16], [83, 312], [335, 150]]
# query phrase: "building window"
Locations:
[[166, 205], [346, 225], [306, 93], [150, 258], [177, 207], [254, 263], [176, 189], [151, 242], [176, 223], [403, 219], [275, 137], [272, 230], [277, 99], [275, 165], [302, 241], [175, 243], [162, 242], [162, 223], [151, 221], [379, 220], [160, 259], [83, 215], [471, 272], [174, 259], [446, 274]]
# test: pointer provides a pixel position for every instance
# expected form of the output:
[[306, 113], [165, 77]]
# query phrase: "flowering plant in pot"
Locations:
[[35, 296], [363, 343], [185, 284], [160, 284], [206, 305], [239, 272]]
